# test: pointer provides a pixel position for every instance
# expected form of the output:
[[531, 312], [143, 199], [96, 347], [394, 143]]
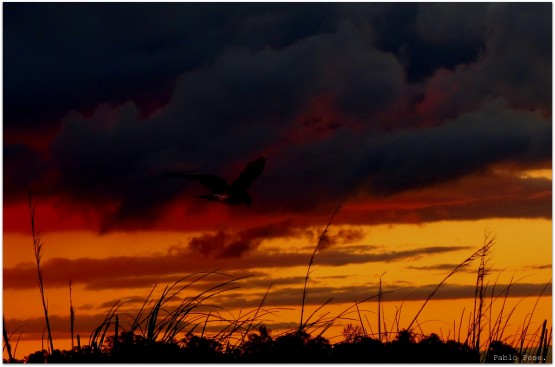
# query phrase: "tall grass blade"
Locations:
[[488, 242], [37, 246], [547, 345], [526, 324], [380, 309], [360, 320], [320, 241], [460, 325], [539, 351], [256, 313], [71, 316], [96, 338], [6, 338], [480, 292], [330, 322]]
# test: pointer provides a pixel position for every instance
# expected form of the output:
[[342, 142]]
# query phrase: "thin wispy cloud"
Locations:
[[116, 272]]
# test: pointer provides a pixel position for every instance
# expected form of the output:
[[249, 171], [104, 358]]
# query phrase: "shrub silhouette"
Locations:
[[359, 350], [201, 349], [137, 348], [433, 349], [497, 350], [297, 346], [258, 347], [292, 347]]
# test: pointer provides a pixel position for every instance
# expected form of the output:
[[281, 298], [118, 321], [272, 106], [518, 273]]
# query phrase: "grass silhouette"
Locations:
[[173, 327], [37, 247]]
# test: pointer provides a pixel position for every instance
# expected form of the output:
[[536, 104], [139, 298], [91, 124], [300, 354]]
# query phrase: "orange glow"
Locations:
[[522, 252]]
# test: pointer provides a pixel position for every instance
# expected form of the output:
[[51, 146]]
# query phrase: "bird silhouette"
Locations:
[[221, 192]]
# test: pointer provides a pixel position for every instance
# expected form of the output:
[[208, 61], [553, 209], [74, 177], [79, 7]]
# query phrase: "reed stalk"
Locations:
[[37, 246], [488, 243], [71, 316], [480, 292], [360, 320], [6, 338], [311, 262]]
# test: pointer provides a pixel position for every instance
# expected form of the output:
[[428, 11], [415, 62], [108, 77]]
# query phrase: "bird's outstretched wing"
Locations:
[[215, 184], [249, 174]]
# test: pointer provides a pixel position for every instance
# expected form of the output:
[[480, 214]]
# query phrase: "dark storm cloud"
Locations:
[[470, 143], [427, 37], [232, 109], [67, 56], [119, 162], [341, 99], [515, 64], [23, 166], [408, 159]]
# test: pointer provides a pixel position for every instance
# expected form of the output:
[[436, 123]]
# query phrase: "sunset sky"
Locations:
[[433, 121]]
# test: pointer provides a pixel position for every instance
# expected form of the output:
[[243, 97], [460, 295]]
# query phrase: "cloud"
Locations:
[[118, 272], [512, 64], [277, 297], [348, 294], [478, 196], [125, 172], [449, 23], [131, 62], [448, 267], [468, 144], [405, 160], [435, 267], [24, 167], [338, 258], [541, 267], [292, 297], [344, 235], [122, 151], [225, 244], [33, 328], [336, 99]]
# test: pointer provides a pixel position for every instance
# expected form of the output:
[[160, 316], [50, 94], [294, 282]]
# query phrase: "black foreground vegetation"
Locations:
[[174, 328], [261, 347]]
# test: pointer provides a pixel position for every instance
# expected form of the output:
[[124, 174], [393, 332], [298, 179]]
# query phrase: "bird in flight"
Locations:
[[221, 192]]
